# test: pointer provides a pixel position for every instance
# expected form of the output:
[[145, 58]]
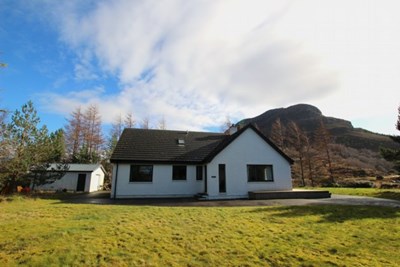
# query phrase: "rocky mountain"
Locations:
[[308, 118], [353, 152]]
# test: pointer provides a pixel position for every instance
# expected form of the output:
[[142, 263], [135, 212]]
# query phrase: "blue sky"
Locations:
[[196, 62]]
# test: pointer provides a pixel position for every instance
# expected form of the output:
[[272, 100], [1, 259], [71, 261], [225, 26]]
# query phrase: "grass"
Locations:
[[369, 192], [49, 232]]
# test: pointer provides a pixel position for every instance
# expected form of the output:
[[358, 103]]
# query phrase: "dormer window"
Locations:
[[181, 142]]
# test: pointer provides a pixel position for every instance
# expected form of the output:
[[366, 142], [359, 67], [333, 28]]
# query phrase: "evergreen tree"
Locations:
[[26, 149], [57, 141]]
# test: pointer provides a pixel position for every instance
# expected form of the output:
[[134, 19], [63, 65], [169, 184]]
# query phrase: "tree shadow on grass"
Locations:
[[388, 194], [333, 213]]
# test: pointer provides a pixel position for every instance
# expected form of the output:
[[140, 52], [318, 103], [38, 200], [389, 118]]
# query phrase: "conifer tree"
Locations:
[[26, 148]]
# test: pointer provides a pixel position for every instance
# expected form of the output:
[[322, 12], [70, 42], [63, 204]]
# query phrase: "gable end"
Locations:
[[231, 138]]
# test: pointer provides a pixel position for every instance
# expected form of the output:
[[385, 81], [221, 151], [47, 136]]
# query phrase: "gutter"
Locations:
[[115, 184]]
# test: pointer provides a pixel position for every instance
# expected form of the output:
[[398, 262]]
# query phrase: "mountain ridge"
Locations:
[[308, 118]]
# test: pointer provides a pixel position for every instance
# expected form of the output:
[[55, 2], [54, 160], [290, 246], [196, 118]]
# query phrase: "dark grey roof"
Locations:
[[161, 146]]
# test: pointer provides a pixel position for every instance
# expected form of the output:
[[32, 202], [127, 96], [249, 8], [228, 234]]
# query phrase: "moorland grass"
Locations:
[[49, 232], [368, 192]]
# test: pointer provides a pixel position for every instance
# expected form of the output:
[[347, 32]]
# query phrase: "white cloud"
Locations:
[[195, 62]]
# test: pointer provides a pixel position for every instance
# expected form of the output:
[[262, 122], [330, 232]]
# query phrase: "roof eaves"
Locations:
[[161, 162]]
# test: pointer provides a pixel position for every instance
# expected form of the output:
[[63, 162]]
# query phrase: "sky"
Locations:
[[195, 63]]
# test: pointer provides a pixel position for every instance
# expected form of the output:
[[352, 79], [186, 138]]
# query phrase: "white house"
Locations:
[[79, 177], [161, 163]]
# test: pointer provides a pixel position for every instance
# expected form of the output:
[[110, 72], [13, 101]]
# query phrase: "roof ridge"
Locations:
[[180, 131]]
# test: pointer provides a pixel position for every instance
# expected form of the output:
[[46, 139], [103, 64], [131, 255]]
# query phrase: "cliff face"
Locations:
[[308, 118]]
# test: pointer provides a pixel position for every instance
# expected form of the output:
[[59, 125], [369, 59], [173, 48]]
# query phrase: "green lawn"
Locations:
[[56, 233], [369, 192]]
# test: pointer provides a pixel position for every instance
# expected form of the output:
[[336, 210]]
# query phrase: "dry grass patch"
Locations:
[[50, 233]]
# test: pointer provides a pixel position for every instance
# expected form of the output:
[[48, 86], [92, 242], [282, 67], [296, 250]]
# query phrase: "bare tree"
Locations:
[[277, 133], [309, 159], [226, 124], [83, 135], [117, 126], [129, 120], [162, 123], [145, 123], [297, 140], [93, 138], [323, 141], [115, 134], [74, 133]]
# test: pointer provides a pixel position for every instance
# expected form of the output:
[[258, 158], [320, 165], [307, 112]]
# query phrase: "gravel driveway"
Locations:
[[103, 198]]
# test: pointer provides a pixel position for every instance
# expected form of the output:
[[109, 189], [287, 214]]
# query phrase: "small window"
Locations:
[[179, 172], [260, 173], [199, 173], [141, 173], [181, 142]]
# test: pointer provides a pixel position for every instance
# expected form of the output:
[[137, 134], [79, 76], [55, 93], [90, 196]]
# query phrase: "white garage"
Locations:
[[79, 178]]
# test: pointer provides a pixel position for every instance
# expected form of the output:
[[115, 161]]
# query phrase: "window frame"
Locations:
[[266, 178], [132, 173], [174, 174], [199, 173]]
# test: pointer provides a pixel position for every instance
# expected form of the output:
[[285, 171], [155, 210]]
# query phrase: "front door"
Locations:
[[222, 178], [81, 182]]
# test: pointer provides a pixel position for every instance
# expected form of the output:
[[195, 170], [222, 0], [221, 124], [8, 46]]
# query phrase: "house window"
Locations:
[[199, 173], [260, 173], [178, 172], [141, 173]]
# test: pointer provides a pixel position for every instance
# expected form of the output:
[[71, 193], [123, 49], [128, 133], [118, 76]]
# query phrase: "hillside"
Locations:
[[354, 151], [308, 118]]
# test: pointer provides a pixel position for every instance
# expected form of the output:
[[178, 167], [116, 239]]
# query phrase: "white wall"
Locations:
[[96, 181], [68, 181], [248, 148], [161, 186]]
